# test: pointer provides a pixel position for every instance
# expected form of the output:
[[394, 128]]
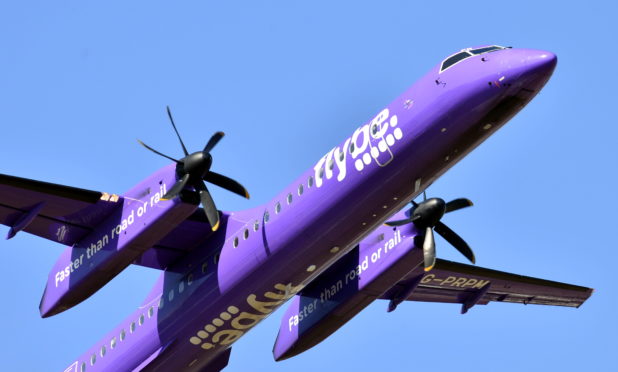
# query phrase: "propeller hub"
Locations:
[[197, 164], [429, 212]]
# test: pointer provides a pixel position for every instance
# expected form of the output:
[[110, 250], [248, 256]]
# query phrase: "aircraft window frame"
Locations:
[[235, 242], [341, 156], [123, 335], [278, 208], [103, 351], [83, 367], [93, 359], [256, 225], [217, 257], [486, 49], [204, 267], [351, 147], [301, 189], [132, 327], [310, 182], [181, 286], [161, 302], [464, 53], [112, 343], [150, 312], [140, 321], [189, 279], [170, 295], [331, 163], [289, 199], [266, 216], [245, 234]]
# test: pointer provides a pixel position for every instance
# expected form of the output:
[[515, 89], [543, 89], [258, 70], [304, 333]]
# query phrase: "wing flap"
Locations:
[[453, 282]]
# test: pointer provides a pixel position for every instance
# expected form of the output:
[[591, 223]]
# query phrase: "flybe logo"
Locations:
[[231, 324], [369, 143]]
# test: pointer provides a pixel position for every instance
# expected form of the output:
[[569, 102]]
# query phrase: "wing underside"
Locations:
[[59, 213], [453, 282]]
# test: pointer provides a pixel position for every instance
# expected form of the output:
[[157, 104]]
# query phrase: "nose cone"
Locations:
[[533, 67], [541, 62]]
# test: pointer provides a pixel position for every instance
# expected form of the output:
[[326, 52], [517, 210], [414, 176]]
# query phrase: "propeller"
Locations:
[[193, 169], [427, 215]]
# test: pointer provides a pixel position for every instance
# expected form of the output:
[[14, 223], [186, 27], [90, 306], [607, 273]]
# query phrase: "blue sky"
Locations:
[[80, 81]]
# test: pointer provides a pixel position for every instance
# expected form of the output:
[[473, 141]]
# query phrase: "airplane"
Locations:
[[336, 239]]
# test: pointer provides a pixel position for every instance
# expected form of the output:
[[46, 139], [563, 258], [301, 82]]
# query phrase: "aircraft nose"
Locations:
[[536, 67], [541, 62]]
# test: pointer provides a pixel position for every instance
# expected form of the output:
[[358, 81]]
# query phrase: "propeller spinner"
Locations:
[[427, 215], [193, 169]]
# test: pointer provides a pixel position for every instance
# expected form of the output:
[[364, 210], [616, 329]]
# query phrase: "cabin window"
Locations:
[[245, 234], [289, 198], [141, 319], [102, 352], [83, 368], [256, 225], [310, 182], [112, 343], [300, 189], [161, 303], [123, 335], [150, 312], [351, 147], [235, 242], [266, 216], [181, 286], [170, 296], [277, 207], [190, 279], [331, 164], [132, 327], [342, 155], [93, 359], [204, 267], [450, 61], [216, 258]]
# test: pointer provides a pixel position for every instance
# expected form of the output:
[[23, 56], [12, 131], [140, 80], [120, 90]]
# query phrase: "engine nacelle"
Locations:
[[343, 290]]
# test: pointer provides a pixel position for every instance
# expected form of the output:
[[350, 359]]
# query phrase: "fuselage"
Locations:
[[261, 257]]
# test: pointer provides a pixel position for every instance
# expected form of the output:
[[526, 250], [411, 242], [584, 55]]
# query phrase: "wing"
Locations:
[[454, 282], [59, 213]]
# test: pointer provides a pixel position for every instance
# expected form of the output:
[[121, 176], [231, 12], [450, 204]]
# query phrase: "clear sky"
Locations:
[[80, 81]]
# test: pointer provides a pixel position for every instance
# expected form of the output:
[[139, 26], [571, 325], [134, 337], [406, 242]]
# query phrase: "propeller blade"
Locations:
[[213, 141], [429, 249], [158, 153], [455, 240], [177, 188], [212, 214], [226, 183], [169, 113], [401, 222], [458, 204]]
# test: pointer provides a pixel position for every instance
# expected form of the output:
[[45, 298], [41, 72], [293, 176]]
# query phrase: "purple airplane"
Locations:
[[333, 241]]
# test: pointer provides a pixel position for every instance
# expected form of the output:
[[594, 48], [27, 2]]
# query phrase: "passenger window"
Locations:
[[289, 198], [300, 189], [112, 343], [132, 327], [277, 207], [123, 335]]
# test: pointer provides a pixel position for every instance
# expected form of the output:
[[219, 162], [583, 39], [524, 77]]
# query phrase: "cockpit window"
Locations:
[[454, 59], [485, 50], [458, 57]]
